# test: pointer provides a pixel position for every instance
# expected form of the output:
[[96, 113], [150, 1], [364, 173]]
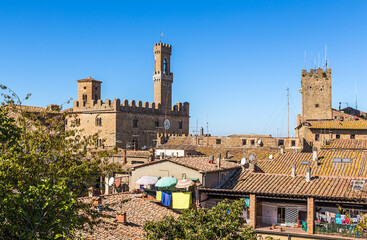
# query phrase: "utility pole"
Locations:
[[288, 107]]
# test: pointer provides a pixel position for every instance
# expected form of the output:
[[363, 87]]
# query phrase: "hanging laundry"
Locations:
[[166, 198], [181, 200], [159, 195]]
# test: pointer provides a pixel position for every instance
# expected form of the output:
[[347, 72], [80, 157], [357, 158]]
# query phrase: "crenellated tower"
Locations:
[[88, 89], [316, 94], [162, 76]]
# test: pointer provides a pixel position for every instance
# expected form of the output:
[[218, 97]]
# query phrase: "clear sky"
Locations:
[[232, 60]]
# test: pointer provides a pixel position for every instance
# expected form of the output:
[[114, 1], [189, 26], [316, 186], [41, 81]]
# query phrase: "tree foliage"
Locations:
[[223, 221], [43, 171]]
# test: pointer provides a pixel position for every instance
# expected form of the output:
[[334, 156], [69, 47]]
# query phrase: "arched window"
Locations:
[[98, 121], [165, 65]]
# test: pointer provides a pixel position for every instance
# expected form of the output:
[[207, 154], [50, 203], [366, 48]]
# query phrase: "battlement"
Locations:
[[314, 72], [133, 107], [162, 45], [164, 73]]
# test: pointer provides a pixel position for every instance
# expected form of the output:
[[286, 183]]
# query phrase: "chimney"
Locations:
[[211, 159], [227, 154], [293, 173], [281, 150], [124, 159], [218, 159], [314, 156], [201, 131], [308, 174], [162, 155], [252, 167]]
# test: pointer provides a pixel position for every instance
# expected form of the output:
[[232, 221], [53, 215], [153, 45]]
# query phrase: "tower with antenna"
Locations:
[[316, 94]]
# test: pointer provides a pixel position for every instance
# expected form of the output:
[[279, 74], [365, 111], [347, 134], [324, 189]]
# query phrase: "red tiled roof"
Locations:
[[197, 163], [277, 184], [339, 124], [138, 211], [325, 167], [346, 144]]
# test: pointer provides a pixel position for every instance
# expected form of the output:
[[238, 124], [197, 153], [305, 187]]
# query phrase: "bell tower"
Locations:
[[162, 76], [88, 89]]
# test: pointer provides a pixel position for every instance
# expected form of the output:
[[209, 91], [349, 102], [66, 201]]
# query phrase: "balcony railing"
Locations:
[[347, 230]]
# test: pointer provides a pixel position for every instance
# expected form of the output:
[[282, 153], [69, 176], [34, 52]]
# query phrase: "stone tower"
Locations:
[[316, 94], [88, 89], [162, 76]]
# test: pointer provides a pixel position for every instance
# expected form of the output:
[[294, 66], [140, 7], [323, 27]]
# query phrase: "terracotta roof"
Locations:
[[88, 79], [339, 124], [138, 211], [346, 144], [181, 147], [326, 167], [276, 184], [197, 163], [138, 154]]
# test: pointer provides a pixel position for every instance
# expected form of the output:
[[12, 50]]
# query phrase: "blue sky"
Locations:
[[232, 60]]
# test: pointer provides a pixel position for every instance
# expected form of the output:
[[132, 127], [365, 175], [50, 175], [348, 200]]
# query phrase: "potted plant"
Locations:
[[274, 226]]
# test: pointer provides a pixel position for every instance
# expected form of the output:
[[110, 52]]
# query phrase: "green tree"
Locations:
[[43, 171], [223, 221]]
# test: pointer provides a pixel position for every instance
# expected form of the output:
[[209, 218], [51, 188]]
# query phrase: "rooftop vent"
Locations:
[[341, 160], [305, 163]]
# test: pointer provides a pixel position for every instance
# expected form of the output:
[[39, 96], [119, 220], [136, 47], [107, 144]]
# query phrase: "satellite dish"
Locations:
[[110, 182], [270, 156], [243, 161], [167, 124], [259, 141], [251, 157]]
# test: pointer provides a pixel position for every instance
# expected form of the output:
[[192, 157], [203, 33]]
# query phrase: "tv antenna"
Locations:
[[325, 58], [355, 93], [305, 60], [160, 38], [288, 106]]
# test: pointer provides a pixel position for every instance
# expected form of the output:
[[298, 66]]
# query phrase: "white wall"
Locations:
[[169, 152], [269, 214]]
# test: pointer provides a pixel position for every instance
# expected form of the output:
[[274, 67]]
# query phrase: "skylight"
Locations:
[[341, 160], [305, 163]]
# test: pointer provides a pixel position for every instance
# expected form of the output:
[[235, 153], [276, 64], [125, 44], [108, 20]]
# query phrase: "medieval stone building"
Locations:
[[131, 124], [319, 122]]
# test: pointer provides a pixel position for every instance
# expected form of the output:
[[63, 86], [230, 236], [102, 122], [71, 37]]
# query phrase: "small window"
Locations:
[[77, 122], [165, 65], [352, 136], [98, 121], [317, 137], [135, 123], [66, 122], [99, 142], [293, 143], [180, 124], [335, 117], [218, 141], [337, 136], [252, 142], [317, 105], [156, 123], [84, 87], [280, 142], [244, 142]]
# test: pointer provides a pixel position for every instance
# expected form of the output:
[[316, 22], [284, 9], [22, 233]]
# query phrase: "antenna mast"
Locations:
[[325, 57], [207, 124], [355, 93], [288, 107]]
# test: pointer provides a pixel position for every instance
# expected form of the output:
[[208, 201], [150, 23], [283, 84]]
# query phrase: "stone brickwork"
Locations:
[[131, 124], [316, 94]]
